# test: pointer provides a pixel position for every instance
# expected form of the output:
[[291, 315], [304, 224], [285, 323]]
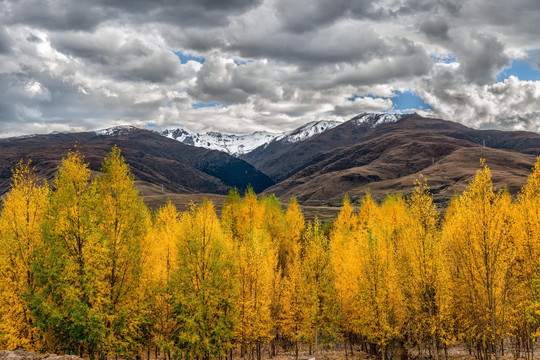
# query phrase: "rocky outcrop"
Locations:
[[22, 354]]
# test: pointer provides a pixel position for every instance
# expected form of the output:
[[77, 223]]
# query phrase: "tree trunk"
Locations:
[[345, 347], [316, 340]]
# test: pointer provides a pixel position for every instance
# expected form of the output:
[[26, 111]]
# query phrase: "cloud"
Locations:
[[275, 64], [512, 104], [362, 104], [5, 41], [74, 15], [482, 56], [435, 28], [121, 55], [315, 13], [221, 79]]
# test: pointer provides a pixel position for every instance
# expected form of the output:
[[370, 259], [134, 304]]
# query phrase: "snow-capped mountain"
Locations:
[[231, 144], [116, 130], [243, 144], [307, 131], [376, 119]]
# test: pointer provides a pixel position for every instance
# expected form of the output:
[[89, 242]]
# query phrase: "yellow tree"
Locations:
[[230, 213], [420, 269], [321, 308], [256, 262], [480, 254], [526, 233], [294, 225], [123, 223], [345, 253], [275, 227], [293, 323], [160, 262], [378, 291], [204, 286], [68, 298], [23, 214]]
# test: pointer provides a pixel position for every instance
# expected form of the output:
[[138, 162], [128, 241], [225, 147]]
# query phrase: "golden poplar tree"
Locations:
[[68, 299], [345, 253], [205, 292], [123, 223], [379, 295], [421, 270], [275, 228], [292, 322], [256, 262], [481, 256], [21, 219], [526, 234], [160, 262], [321, 308]]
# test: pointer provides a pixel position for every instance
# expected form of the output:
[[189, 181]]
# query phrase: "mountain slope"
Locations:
[[386, 156], [317, 163], [281, 159], [153, 159]]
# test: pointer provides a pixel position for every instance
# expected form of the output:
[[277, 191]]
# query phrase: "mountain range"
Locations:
[[318, 163], [243, 144]]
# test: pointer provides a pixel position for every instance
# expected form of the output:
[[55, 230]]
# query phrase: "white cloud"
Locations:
[[66, 66]]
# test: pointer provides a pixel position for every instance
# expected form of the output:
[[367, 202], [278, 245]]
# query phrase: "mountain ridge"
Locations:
[[318, 162], [236, 145], [153, 159]]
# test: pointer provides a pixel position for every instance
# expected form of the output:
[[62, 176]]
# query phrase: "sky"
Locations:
[[239, 66]]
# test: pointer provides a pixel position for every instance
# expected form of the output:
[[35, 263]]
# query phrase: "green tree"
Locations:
[[68, 299]]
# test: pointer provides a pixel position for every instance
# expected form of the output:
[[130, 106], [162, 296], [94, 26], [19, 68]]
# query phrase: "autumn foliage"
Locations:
[[86, 268]]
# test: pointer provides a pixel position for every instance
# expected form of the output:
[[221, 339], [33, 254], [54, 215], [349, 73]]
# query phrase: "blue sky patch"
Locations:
[[405, 100], [185, 57], [239, 62], [201, 104], [523, 69], [354, 97], [444, 59]]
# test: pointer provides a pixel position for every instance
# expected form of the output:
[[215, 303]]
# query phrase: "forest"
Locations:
[[86, 268]]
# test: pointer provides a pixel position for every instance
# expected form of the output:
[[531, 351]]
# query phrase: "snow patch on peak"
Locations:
[[374, 119], [116, 130], [308, 130], [242, 144], [231, 144]]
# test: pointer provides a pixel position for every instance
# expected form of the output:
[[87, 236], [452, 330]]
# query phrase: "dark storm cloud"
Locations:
[[435, 28], [55, 15], [482, 57], [405, 60], [339, 44], [5, 41], [123, 58], [82, 15], [315, 13], [434, 7], [514, 16]]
